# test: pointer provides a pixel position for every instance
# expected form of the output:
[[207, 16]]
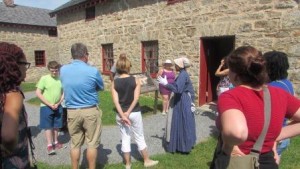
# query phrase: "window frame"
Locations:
[[152, 46], [90, 13], [107, 50], [52, 33], [40, 53]]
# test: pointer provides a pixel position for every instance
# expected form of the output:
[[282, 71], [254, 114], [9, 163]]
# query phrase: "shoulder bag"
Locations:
[[250, 161]]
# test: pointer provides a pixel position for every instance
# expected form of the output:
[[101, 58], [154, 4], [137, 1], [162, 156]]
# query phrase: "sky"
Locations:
[[46, 4]]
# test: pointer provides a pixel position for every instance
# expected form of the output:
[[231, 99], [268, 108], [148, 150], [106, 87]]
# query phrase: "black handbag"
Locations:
[[223, 161]]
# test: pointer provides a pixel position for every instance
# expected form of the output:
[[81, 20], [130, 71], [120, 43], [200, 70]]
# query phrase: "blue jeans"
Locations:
[[282, 145]]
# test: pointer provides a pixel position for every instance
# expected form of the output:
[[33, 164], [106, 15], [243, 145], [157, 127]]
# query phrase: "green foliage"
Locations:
[[107, 106], [28, 87], [34, 101], [47, 166], [290, 158]]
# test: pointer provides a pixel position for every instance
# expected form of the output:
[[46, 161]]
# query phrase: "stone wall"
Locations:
[[31, 40], [265, 24]]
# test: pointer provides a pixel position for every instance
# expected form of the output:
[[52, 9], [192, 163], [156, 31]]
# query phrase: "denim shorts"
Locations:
[[50, 119]]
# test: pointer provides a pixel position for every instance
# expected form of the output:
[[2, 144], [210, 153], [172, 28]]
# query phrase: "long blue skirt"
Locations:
[[181, 127]]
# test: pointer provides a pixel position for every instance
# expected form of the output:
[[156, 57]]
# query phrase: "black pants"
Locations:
[[65, 118], [267, 161]]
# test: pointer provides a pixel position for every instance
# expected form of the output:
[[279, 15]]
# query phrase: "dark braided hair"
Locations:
[[10, 74]]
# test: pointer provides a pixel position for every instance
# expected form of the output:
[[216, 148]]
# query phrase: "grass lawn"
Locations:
[[106, 104], [290, 159], [199, 158], [27, 87]]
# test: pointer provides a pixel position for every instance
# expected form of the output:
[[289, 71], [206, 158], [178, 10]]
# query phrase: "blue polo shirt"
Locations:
[[285, 85], [81, 83]]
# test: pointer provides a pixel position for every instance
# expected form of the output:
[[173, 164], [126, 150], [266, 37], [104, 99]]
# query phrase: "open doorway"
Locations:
[[212, 50]]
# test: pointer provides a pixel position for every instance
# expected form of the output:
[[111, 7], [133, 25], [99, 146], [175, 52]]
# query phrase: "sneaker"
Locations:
[[150, 163], [58, 146], [50, 150], [164, 113], [127, 166]]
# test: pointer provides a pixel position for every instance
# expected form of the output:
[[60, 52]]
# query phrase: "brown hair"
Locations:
[[10, 73], [53, 65], [249, 65], [122, 56], [123, 66]]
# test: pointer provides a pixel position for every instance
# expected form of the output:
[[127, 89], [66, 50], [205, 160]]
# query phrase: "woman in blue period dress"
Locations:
[[183, 128]]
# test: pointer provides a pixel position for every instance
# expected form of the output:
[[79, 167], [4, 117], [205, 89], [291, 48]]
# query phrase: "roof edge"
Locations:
[[73, 7], [27, 25]]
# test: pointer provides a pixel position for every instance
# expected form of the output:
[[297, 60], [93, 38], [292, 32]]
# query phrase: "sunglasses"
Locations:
[[27, 64]]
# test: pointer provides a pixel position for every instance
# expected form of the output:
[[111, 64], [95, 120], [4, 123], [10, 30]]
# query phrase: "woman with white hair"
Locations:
[[181, 137]]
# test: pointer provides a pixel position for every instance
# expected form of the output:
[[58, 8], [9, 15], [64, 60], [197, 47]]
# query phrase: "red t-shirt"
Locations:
[[251, 103]]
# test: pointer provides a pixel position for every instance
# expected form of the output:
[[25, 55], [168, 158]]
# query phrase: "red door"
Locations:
[[212, 50], [205, 92]]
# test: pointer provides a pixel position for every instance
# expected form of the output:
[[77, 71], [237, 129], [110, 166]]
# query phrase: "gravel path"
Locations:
[[110, 148]]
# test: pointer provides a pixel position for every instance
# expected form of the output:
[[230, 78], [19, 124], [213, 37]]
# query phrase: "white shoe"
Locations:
[[164, 113], [150, 163], [128, 166]]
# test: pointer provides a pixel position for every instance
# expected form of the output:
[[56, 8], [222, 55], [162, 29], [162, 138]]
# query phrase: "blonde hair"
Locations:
[[123, 66]]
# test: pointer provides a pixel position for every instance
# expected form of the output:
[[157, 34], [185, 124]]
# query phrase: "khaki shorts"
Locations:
[[85, 125]]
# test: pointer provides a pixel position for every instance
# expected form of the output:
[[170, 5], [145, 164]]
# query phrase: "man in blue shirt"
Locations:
[[81, 83]]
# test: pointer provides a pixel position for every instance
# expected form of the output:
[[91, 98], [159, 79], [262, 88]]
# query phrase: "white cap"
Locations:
[[168, 61], [182, 62]]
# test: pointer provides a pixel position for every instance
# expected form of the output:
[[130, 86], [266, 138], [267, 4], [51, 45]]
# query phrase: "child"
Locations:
[[49, 91]]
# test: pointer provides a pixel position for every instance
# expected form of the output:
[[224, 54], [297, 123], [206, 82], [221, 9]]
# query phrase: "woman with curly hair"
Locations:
[[13, 124]]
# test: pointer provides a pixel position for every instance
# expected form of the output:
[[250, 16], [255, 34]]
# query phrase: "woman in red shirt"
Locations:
[[241, 109]]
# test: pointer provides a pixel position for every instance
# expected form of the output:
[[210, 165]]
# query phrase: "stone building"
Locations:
[[150, 31], [34, 31]]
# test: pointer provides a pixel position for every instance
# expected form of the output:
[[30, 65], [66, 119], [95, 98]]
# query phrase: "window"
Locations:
[[150, 57], [52, 32], [39, 57], [90, 13], [107, 58], [173, 1]]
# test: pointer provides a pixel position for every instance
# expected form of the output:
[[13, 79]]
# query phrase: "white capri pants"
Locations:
[[136, 128]]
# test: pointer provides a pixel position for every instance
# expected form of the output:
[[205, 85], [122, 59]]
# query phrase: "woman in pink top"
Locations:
[[165, 92]]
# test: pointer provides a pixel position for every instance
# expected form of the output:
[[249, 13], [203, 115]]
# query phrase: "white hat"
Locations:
[[168, 61], [186, 62], [182, 62]]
